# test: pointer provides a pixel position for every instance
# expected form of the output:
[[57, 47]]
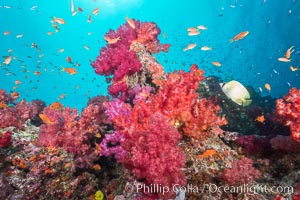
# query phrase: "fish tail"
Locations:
[[231, 41]]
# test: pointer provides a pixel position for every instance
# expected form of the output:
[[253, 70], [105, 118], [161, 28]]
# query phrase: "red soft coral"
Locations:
[[241, 172], [73, 132], [288, 110], [5, 139], [153, 153]]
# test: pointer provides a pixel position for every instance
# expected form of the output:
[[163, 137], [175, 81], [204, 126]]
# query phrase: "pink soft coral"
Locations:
[[5, 139], [73, 132], [153, 153], [241, 172], [288, 110]]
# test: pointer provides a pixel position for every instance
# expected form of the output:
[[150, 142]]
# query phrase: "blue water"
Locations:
[[273, 27]]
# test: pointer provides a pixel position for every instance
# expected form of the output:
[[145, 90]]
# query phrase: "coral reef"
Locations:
[[157, 129]]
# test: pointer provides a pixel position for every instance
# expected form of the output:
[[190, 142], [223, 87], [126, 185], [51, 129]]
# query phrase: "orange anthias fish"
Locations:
[[61, 96], [45, 119], [205, 48], [189, 47], [215, 63], [283, 59], [96, 11], [17, 82], [293, 68], [3, 105], [192, 29], [201, 27], [130, 22], [37, 73], [56, 106], [267, 86], [70, 70], [239, 36], [58, 20], [289, 52], [111, 41], [7, 60], [260, 118], [68, 59], [209, 153], [97, 167], [192, 33], [6, 32], [15, 95]]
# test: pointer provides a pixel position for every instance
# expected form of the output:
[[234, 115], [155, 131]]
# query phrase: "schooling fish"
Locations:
[[288, 52], [239, 36], [130, 22], [189, 47]]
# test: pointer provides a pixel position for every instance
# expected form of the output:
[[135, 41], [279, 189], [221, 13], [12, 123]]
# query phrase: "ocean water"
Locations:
[[274, 26]]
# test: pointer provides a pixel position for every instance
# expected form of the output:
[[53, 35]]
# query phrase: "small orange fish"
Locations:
[[3, 105], [98, 135], [69, 59], [209, 153], [205, 48], [267, 86], [96, 11], [111, 41], [201, 27], [283, 59], [6, 32], [17, 82], [190, 46], [288, 52], [37, 73], [7, 60], [60, 50], [72, 8], [260, 118], [193, 33], [215, 63], [79, 9], [45, 119], [239, 36], [62, 96], [192, 29], [49, 33], [15, 95], [56, 106], [70, 70], [58, 20], [293, 68], [130, 22], [97, 167]]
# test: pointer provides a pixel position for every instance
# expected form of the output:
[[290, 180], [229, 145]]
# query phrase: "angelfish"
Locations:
[[235, 91]]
